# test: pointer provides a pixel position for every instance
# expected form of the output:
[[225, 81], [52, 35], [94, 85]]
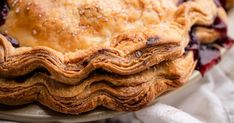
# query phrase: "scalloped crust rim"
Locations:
[[21, 61], [130, 93]]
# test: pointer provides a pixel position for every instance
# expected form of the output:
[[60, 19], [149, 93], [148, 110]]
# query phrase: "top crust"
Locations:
[[70, 25]]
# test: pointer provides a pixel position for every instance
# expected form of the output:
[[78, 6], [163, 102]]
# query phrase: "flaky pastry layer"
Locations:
[[114, 92]]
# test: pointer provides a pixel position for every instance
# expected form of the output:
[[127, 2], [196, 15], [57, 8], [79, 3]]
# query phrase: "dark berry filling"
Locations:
[[221, 27], [209, 55], [182, 1], [152, 41], [3, 11], [12, 40]]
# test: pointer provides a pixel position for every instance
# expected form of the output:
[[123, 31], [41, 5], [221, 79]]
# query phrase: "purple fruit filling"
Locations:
[[221, 27], [3, 11], [12, 40], [182, 1], [209, 55]]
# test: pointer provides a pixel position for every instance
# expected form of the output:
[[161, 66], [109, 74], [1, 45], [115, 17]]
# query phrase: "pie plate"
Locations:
[[36, 112]]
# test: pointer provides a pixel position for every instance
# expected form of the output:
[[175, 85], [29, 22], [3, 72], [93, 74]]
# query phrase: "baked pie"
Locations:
[[74, 56]]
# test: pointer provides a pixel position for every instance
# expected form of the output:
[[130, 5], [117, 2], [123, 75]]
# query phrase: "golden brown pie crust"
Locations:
[[129, 52], [138, 44], [113, 92]]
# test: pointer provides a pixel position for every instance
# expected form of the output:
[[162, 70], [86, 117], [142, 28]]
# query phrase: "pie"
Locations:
[[74, 56]]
